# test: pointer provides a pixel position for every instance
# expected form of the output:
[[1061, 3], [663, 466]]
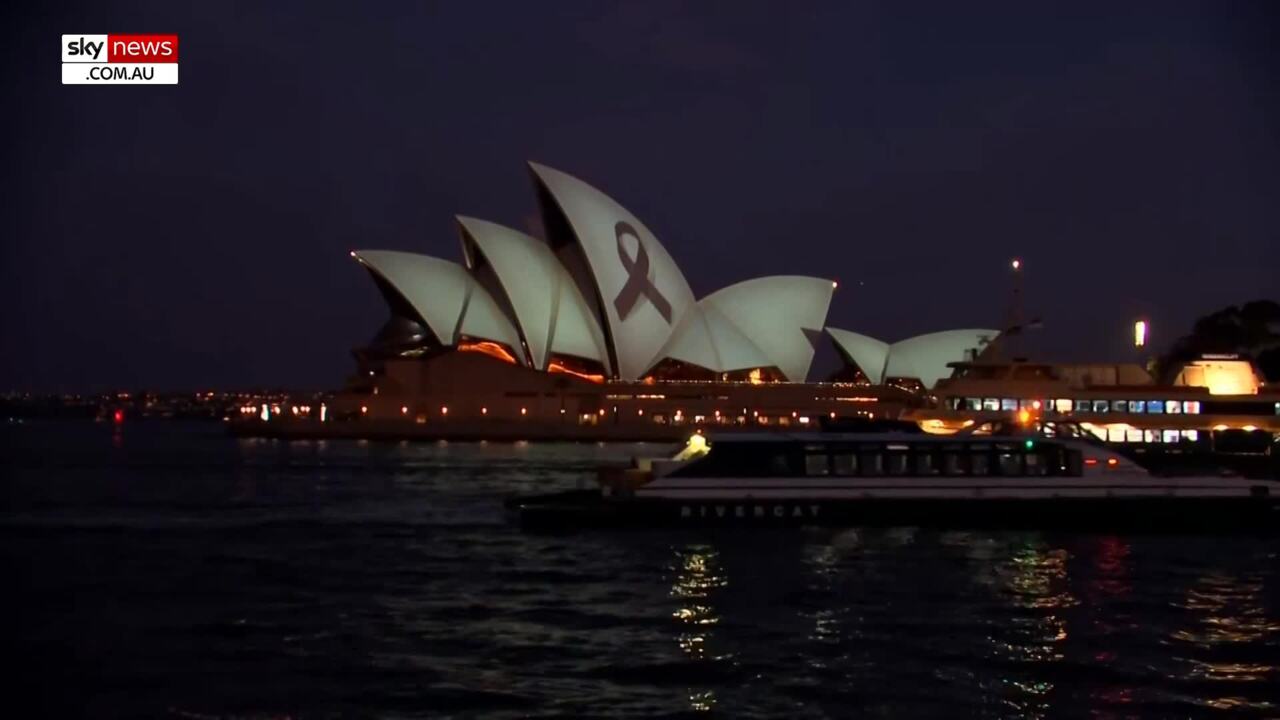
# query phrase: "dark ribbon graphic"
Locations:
[[638, 283]]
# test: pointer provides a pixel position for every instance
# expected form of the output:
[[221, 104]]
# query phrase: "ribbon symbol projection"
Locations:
[[638, 283]]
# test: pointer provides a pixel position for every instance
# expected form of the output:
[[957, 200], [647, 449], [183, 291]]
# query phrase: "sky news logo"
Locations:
[[119, 59]]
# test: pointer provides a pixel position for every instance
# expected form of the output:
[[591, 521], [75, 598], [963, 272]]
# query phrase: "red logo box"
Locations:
[[142, 48]]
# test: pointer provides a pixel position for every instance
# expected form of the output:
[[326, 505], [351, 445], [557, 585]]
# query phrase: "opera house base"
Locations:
[[462, 431], [452, 395]]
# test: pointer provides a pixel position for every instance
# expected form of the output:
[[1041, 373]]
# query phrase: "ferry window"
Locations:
[[845, 463], [926, 463], [1115, 433], [1063, 405], [1278, 408], [1026, 404], [1191, 435], [1155, 406], [953, 463], [1171, 436], [1083, 406], [660, 419], [1150, 436], [1137, 406], [1119, 406], [1009, 404], [1101, 406], [816, 465], [1191, 407], [1172, 407], [991, 404], [1133, 435], [980, 463], [896, 463], [870, 463], [974, 404], [778, 465], [1036, 464], [1010, 463]]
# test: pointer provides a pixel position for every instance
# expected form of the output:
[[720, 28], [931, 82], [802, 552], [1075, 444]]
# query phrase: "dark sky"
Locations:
[[194, 236]]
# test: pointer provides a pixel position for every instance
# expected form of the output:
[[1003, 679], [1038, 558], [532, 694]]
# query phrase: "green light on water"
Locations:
[[1030, 444]]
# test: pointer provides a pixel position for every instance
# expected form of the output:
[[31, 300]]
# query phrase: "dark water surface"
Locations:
[[169, 570]]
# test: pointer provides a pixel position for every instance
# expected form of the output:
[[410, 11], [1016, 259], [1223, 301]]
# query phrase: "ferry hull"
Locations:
[[1220, 515]]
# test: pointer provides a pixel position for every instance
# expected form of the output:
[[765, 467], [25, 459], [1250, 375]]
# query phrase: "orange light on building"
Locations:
[[1035, 404], [444, 410], [492, 349], [794, 413], [1024, 416], [640, 412], [755, 377], [404, 409], [833, 416], [484, 411], [364, 409], [602, 411], [524, 411], [556, 367]]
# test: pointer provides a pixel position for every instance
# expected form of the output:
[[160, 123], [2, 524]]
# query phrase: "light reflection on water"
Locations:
[[697, 576], [338, 577], [1225, 611]]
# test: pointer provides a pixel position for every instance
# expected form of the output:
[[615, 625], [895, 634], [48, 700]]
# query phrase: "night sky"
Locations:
[[197, 236]]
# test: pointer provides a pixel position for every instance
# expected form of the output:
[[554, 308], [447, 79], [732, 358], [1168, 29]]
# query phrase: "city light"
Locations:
[[1016, 264], [1140, 333]]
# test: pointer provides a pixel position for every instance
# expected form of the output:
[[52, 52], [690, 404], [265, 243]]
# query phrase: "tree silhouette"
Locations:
[[1251, 330]]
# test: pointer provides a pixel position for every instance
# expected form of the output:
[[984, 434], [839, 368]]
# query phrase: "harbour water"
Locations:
[[169, 570]]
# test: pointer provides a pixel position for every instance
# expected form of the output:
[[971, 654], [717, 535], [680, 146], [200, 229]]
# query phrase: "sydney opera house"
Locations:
[[595, 325]]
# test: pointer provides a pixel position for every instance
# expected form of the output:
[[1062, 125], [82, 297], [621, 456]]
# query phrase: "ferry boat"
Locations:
[[898, 478]]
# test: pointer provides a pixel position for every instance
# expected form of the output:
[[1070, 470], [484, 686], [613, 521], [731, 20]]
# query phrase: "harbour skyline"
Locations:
[[197, 235]]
